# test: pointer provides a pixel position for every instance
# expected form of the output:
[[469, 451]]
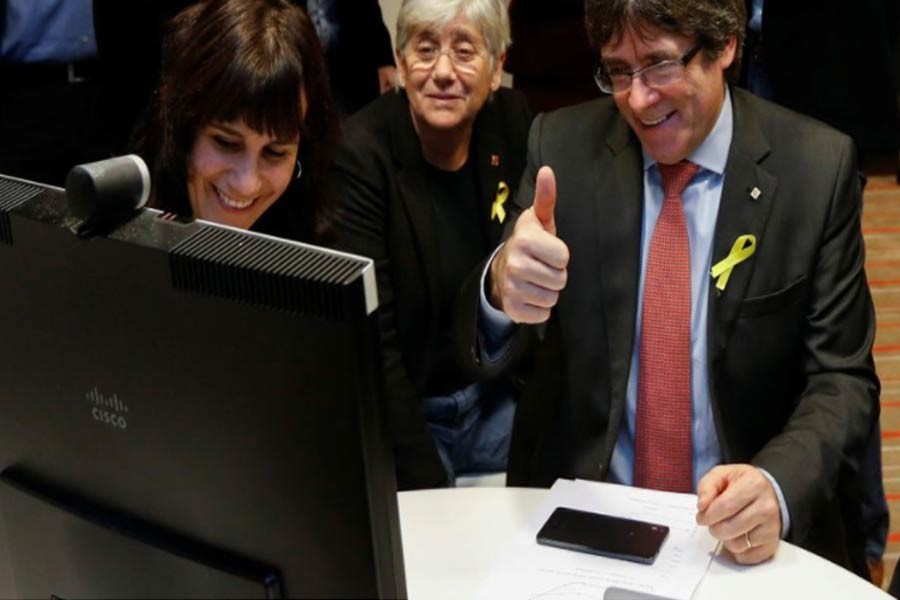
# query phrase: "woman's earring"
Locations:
[[299, 170]]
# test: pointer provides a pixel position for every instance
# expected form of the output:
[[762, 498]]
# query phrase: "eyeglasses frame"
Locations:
[[465, 66], [685, 59]]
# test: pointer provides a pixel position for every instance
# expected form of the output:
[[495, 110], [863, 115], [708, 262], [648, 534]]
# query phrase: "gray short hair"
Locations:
[[490, 17]]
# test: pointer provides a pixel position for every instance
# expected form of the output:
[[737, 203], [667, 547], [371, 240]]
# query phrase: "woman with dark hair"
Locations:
[[242, 124]]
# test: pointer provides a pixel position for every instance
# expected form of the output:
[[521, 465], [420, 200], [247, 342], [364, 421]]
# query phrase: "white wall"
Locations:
[[389, 10]]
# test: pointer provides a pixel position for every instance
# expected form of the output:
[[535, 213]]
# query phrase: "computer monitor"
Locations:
[[187, 410]]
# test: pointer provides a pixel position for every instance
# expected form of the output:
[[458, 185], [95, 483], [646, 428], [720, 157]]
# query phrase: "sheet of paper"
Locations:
[[529, 571]]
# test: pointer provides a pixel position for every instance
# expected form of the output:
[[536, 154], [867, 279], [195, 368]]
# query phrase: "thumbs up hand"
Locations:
[[530, 270], [545, 199]]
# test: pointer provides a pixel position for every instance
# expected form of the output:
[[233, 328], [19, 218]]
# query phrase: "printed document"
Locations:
[[529, 571]]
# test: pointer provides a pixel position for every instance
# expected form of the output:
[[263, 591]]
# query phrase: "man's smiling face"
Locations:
[[671, 121]]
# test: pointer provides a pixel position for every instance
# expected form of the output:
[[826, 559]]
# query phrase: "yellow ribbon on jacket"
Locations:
[[497, 210], [743, 248]]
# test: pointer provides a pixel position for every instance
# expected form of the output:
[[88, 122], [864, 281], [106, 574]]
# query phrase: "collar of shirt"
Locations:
[[712, 154]]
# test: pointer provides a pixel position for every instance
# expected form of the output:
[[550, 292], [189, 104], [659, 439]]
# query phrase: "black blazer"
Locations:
[[385, 212], [792, 381], [362, 46]]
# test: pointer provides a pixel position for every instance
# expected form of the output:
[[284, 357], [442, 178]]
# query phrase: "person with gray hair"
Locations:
[[686, 263], [422, 180], [487, 16]]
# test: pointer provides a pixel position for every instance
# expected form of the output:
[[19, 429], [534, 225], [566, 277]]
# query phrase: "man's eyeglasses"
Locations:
[[655, 75], [425, 55]]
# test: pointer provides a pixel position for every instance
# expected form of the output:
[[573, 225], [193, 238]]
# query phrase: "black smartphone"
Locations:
[[596, 533]]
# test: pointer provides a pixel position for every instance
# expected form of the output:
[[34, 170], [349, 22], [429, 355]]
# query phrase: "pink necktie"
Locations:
[[662, 444]]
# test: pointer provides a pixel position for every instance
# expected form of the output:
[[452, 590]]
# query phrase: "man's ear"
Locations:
[[726, 56]]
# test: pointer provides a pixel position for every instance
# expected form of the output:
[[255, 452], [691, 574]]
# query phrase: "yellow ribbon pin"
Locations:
[[743, 248], [497, 210]]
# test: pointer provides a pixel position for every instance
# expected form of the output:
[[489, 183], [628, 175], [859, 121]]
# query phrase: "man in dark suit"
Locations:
[[694, 261], [848, 83]]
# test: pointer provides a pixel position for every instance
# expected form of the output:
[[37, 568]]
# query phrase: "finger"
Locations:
[[737, 546], [740, 493], [534, 295], [756, 553], [518, 279], [763, 512], [550, 250], [710, 486], [545, 199], [521, 297], [736, 524], [764, 534], [531, 239], [521, 312], [524, 266]]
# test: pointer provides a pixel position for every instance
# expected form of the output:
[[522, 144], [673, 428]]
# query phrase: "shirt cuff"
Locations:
[[494, 327], [785, 515]]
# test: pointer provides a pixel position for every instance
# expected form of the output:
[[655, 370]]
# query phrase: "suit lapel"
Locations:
[[747, 196], [619, 202], [415, 193], [490, 154]]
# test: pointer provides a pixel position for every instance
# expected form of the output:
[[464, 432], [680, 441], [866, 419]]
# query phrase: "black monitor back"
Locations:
[[187, 410]]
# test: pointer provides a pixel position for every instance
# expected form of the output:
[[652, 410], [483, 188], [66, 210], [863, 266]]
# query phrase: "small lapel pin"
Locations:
[[755, 193], [495, 160], [498, 212]]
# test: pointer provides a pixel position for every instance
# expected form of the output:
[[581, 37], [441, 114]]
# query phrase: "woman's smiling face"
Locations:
[[235, 173], [448, 75]]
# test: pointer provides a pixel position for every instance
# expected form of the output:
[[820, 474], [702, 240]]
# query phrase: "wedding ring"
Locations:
[[747, 539]]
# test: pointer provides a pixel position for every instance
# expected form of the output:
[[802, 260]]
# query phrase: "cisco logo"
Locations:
[[108, 410]]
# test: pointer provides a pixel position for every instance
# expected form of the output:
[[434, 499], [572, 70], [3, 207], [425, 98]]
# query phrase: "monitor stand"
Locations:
[[93, 552]]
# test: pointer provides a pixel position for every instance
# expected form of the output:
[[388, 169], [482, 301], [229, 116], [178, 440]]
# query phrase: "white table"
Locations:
[[452, 537]]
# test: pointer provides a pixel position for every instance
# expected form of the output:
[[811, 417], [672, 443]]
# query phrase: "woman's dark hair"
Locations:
[[229, 60], [711, 22]]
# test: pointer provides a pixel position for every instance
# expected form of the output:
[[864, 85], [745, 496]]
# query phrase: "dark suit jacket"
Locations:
[[386, 212], [362, 46], [792, 381]]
